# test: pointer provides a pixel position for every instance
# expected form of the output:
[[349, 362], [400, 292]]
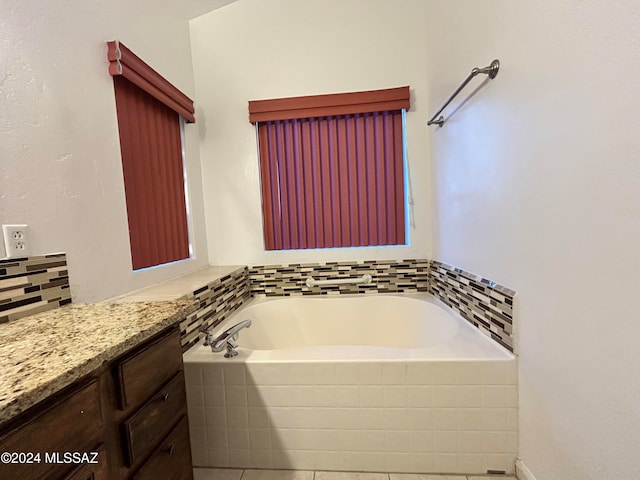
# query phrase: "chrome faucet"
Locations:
[[227, 339]]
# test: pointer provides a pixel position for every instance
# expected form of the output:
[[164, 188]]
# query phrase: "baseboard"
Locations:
[[522, 472]]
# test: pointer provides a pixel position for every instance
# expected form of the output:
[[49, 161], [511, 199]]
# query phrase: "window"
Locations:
[[332, 169], [149, 123]]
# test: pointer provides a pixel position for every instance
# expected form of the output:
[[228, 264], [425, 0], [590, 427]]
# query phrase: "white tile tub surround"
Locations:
[[391, 416]]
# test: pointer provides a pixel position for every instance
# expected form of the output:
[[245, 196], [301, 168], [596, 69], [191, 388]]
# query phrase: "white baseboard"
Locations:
[[522, 472]]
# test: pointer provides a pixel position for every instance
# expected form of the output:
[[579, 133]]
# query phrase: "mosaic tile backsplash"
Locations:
[[33, 284], [406, 276], [482, 302], [217, 300], [485, 304]]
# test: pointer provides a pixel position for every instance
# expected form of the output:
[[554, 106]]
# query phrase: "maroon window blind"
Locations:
[[334, 180], [151, 149]]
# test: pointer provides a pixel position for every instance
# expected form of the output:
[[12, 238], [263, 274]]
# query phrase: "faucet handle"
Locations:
[[208, 339]]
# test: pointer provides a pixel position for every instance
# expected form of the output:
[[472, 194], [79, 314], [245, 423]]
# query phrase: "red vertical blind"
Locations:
[[333, 181], [332, 169], [149, 109], [151, 148]]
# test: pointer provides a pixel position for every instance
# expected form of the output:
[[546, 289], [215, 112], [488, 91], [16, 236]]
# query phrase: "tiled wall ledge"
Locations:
[[482, 302], [218, 291], [406, 276], [33, 284]]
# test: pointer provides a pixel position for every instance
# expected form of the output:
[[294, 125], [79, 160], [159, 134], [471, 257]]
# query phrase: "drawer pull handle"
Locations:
[[171, 449], [165, 397]]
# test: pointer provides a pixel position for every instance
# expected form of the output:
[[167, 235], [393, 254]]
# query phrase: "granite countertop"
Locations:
[[43, 353]]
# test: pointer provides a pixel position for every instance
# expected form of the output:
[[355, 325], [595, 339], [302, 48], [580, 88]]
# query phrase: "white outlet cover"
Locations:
[[16, 240]]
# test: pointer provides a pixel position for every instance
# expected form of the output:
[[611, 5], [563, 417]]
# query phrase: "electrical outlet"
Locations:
[[16, 240]]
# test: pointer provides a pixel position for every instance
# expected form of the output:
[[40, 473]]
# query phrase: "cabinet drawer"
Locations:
[[172, 459], [73, 424], [140, 373], [154, 419]]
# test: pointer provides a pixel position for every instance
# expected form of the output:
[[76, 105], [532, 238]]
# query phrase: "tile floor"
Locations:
[[237, 474]]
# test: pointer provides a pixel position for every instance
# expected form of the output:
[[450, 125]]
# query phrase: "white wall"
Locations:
[[537, 185], [60, 169], [252, 50]]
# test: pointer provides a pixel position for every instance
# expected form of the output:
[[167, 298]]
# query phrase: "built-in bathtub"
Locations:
[[368, 383]]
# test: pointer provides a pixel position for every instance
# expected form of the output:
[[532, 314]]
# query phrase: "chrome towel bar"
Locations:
[[312, 282], [491, 70]]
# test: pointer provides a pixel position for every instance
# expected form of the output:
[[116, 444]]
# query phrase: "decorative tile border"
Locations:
[[33, 284], [406, 276], [217, 300], [482, 302]]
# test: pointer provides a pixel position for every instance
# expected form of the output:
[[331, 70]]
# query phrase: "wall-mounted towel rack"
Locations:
[[491, 70]]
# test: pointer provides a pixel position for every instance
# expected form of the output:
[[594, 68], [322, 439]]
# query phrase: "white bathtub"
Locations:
[[355, 327], [368, 383]]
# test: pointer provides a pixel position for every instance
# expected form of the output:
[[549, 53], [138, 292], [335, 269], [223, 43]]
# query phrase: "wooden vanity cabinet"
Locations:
[[91, 471], [131, 411], [151, 404], [70, 421]]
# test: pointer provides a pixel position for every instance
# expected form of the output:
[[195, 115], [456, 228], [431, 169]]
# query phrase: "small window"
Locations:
[[150, 128], [332, 169]]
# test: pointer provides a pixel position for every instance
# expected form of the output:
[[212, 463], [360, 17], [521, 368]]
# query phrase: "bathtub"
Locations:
[[390, 383]]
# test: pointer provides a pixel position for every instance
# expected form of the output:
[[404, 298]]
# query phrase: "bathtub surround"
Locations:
[[403, 276], [442, 398], [33, 284], [484, 303], [216, 301], [407, 416]]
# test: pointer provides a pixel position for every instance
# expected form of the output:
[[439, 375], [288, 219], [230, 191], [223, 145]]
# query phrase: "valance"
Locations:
[[123, 61], [389, 99]]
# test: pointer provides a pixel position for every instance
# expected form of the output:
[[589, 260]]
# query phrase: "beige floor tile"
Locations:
[[416, 476], [495, 477], [277, 475], [350, 476], [216, 474]]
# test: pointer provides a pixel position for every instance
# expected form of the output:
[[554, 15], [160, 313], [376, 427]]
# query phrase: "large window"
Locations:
[[149, 123], [332, 169]]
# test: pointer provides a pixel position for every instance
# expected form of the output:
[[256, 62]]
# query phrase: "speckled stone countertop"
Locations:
[[43, 353]]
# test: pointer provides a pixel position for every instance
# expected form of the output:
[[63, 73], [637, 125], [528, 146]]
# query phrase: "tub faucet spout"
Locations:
[[227, 339]]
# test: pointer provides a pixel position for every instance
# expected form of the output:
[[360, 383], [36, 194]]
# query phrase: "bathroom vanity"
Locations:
[[95, 392]]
